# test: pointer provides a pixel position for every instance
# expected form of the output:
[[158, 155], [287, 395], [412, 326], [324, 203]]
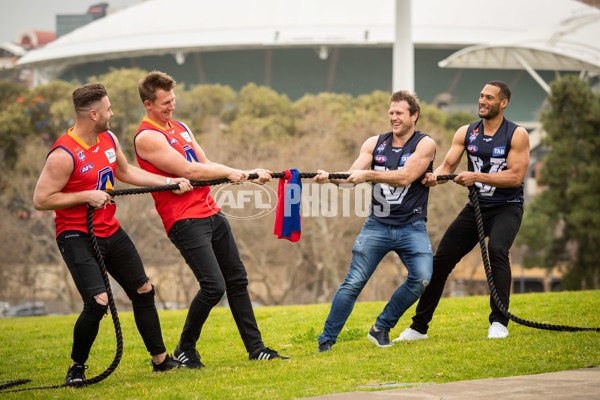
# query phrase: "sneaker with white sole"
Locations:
[[410, 334], [497, 331], [381, 338]]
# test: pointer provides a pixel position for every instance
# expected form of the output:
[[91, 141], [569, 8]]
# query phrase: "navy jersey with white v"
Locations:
[[397, 205], [488, 154]]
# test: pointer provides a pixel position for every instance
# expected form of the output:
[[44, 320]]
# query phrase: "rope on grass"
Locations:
[[490, 279]]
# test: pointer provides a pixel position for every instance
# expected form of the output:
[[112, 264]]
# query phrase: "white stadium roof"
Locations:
[[180, 26], [570, 45]]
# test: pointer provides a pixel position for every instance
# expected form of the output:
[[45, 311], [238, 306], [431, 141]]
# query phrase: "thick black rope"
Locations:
[[480, 230], [175, 186], [111, 304], [488, 271], [302, 175]]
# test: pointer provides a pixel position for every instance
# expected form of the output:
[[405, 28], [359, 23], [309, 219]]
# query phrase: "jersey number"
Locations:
[[190, 155], [392, 195], [106, 181], [496, 164]]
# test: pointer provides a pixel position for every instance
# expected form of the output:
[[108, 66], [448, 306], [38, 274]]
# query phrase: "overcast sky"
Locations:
[[22, 15]]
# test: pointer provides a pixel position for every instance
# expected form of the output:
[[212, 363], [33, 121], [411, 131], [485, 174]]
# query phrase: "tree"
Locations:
[[561, 226], [27, 115], [255, 127]]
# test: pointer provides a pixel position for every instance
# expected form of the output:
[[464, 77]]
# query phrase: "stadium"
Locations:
[[339, 46]]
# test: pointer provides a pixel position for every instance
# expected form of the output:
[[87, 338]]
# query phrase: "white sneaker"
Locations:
[[497, 331], [410, 334]]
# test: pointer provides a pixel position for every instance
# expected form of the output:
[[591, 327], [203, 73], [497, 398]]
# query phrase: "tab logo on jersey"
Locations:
[[471, 148], [87, 168], [499, 151], [173, 141], [111, 155], [380, 159], [381, 146], [404, 158]]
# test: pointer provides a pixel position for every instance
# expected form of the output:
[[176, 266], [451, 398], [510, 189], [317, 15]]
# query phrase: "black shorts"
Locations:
[[121, 259]]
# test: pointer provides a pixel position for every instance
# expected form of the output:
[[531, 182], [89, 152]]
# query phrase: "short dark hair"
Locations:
[[148, 85], [410, 98], [88, 94], [504, 89]]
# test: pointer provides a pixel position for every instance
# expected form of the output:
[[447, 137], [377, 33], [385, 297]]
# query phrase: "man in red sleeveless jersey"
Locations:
[[194, 222], [80, 167]]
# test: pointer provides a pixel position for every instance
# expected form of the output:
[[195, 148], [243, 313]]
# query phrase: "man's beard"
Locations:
[[102, 128], [492, 113]]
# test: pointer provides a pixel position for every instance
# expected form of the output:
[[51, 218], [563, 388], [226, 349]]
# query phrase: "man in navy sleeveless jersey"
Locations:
[[392, 162], [81, 166], [498, 157]]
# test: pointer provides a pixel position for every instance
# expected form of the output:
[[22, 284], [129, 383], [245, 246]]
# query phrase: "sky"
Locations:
[[40, 15]]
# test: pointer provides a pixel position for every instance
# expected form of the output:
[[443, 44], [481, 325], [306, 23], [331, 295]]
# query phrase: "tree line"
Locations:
[[258, 127]]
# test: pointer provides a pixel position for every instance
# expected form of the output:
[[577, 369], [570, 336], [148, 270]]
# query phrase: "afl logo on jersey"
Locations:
[[380, 159], [173, 141], [471, 148], [86, 168]]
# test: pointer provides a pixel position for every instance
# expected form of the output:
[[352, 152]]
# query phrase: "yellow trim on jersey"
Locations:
[[156, 124], [81, 142]]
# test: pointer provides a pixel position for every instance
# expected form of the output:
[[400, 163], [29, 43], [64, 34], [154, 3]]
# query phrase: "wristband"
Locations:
[[168, 180]]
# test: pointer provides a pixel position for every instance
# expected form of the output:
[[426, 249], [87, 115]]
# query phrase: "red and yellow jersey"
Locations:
[[172, 207], [93, 169]]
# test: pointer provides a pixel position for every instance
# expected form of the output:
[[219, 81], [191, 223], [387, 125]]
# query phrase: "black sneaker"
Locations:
[[325, 346], [76, 375], [167, 365], [380, 338], [266, 354], [188, 358]]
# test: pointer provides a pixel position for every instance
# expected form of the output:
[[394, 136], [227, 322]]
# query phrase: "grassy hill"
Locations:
[[38, 348]]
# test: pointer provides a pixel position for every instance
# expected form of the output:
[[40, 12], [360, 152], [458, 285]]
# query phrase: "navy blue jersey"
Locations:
[[397, 205], [488, 154]]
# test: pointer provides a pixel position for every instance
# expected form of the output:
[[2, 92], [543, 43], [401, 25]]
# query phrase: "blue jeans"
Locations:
[[375, 240]]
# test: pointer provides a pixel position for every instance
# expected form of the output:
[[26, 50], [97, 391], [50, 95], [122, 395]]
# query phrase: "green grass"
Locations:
[[458, 349]]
